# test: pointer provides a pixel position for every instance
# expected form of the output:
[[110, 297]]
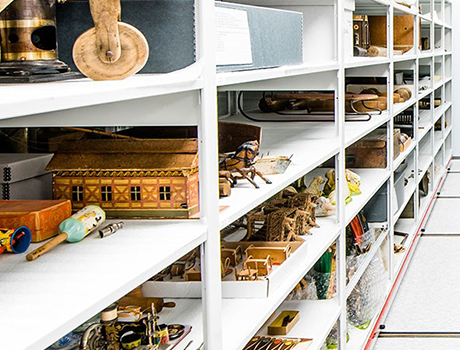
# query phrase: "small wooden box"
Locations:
[[41, 217], [371, 150], [277, 328]]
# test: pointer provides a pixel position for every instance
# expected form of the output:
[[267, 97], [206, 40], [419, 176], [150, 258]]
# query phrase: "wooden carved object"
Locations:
[[240, 164], [111, 50], [318, 102], [278, 255], [234, 255], [263, 266]]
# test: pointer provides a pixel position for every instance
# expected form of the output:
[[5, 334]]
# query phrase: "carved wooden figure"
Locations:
[[241, 164], [235, 255]]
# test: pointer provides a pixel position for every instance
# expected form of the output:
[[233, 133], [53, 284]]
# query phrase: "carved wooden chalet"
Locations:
[[129, 178]]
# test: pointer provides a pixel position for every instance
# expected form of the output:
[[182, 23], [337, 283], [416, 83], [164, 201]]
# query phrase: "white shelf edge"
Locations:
[[78, 93], [249, 76], [403, 155], [407, 196]]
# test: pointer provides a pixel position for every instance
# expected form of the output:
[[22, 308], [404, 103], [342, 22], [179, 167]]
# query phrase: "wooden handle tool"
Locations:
[[47, 246]]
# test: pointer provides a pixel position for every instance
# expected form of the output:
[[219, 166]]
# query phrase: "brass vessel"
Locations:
[[29, 38]]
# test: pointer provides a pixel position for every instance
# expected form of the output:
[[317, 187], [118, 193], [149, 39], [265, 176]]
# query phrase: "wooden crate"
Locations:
[[371, 150]]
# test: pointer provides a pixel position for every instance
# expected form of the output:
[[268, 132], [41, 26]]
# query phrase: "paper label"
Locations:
[[233, 42], [91, 217]]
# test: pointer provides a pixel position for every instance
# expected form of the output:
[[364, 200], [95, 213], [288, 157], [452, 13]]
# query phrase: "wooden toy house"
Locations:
[[154, 178]]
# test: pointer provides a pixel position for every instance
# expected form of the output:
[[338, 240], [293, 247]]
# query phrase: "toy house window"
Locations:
[[165, 193], [106, 193], [136, 193], [77, 193]]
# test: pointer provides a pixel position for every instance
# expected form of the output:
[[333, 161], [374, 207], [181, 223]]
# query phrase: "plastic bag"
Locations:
[[368, 295]]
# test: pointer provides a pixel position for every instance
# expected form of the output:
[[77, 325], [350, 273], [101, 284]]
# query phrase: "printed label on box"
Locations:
[[233, 41]]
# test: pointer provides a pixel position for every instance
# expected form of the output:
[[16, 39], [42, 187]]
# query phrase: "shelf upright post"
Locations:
[[341, 255], [209, 186], [417, 35], [390, 136]]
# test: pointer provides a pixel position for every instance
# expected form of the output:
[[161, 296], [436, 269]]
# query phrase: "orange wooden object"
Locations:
[[42, 217]]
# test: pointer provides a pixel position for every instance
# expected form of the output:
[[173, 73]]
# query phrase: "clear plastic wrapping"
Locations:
[[368, 295]]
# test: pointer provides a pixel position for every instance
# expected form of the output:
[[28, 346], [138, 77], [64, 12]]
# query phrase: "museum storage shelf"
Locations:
[[258, 310], [85, 277], [187, 98]]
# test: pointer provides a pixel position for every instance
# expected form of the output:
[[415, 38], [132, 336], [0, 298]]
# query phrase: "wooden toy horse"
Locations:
[[242, 162]]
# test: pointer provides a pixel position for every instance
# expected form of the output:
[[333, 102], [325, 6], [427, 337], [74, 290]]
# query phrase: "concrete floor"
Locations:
[[428, 299]]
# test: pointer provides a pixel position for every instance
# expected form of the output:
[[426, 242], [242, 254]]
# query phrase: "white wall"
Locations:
[[456, 76]]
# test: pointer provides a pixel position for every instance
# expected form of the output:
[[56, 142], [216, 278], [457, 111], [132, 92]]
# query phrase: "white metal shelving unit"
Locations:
[[44, 300]]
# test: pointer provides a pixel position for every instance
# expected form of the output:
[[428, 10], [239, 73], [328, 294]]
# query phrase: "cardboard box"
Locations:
[[177, 288], [279, 327], [23, 176], [276, 37], [41, 217]]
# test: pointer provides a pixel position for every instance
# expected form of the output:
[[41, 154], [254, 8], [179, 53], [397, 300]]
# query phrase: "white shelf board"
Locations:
[[406, 225], [403, 155], [402, 8], [438, 84], [438, 52], [424, 163], [438, 113], [401, 107], [70, 284], [365, 263], [29, 99], [426, 54], [356, 62], [408, 192], [425, 201], [354, 131], [424, 93], [186, 312], [249, 76], [404, 57], [316, 319], [371, 181], [256, 311], [308, 150], [438, 142], [424, 125], [447, 132]]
